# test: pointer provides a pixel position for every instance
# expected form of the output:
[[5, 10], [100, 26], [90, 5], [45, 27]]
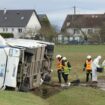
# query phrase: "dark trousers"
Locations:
[[87, 75], [59, 75], [65, 77]]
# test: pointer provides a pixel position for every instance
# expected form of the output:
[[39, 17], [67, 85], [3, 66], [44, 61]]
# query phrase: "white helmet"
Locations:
[[64, 58], [89, 57], [58, 56]]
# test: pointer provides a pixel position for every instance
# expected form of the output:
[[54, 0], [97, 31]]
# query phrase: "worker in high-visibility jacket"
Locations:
[[88, 67], [66, 69], [59, 67]]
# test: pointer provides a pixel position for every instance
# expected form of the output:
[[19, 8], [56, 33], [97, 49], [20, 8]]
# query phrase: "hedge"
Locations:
[[7, 35]]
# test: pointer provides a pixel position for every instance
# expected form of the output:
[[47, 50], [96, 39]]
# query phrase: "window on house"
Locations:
[[76, 31], [3, 29], [22, 18], [90, 31], [68, 24], [20, 30], [6, 29], [12, 29]]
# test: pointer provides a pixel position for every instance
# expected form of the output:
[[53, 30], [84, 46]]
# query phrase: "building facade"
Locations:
[[79, 26], [19, 22]]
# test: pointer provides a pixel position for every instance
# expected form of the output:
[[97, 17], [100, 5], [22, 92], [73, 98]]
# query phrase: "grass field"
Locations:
[[78, 96], [18, 98], [76, 54], [73, 96]]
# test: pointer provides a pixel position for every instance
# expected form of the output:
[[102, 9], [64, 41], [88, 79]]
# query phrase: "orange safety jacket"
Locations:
[[59, 64], [88, 65]]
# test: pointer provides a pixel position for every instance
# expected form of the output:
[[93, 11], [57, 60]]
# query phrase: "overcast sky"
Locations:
[[56, 9]]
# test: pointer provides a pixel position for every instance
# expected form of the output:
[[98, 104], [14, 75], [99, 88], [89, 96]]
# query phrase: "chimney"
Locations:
[[5, 11]]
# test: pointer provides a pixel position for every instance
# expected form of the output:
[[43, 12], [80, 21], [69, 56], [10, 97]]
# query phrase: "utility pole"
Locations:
[[74, 10]]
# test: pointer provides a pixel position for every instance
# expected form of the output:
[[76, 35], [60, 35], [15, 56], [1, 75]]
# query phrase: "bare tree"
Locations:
[[48, 33], [102, 33], [99, 35], [30, 33], [94, 38]]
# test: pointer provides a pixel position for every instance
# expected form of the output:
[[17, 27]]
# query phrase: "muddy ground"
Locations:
[[47, 90], [101, 84]]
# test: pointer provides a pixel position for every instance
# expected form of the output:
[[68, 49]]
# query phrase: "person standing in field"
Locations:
[[95, 65], [66, 70], [88, 67], [59, 67]]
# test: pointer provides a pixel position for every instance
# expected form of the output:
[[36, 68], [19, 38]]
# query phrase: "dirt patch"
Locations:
[[50, 89], [99, 85], [47, 90]]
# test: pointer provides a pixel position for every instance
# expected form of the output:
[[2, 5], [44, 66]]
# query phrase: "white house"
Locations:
[[81, 25], [19, 22]]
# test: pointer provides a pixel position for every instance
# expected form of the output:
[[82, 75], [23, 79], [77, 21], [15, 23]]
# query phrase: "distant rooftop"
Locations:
[[84, 21], [15, 18], [44, 20]]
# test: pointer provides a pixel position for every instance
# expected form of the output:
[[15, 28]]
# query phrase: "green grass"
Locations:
[[18, 98], [73, 96], [78, 96]]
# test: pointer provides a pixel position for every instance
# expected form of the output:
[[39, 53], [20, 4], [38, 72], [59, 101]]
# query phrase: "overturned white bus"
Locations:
[[23, 63]]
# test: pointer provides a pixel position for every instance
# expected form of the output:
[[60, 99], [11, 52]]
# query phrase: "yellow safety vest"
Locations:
[[66, 68]]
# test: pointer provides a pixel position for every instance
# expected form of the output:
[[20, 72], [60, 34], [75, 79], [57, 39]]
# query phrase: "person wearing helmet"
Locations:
[[88, 67], [66, 69], [58, 56], [59, 67], [95, 65]]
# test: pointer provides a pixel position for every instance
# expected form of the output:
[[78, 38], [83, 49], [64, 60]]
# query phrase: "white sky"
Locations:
[[56, 9]]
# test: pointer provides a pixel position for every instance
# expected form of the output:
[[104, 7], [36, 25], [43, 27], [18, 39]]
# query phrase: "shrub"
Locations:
[[7, 35]]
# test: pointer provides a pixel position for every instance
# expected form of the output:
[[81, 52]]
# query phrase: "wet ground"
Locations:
[[47, 90], [101, 84]]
